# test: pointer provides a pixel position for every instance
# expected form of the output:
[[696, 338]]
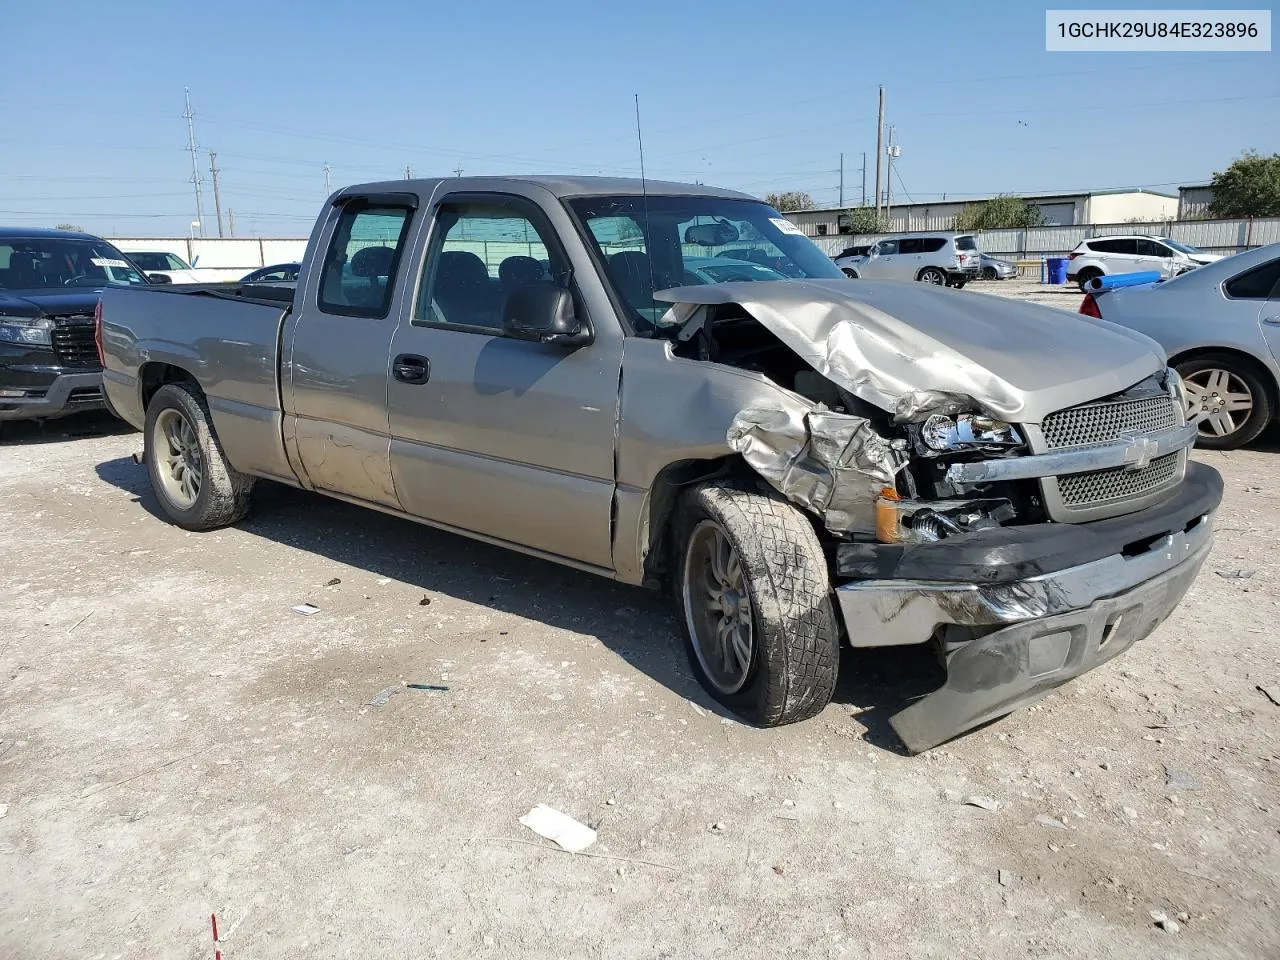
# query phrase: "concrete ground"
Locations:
[[176, 742]]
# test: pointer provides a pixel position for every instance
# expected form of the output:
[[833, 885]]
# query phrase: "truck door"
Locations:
[[336, 348], [506, 438]]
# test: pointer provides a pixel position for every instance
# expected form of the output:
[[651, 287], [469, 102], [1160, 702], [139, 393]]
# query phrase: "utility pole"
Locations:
[[408, 174], [195, 159], [217, 201], [879, 149], [231, 216], [893, 152], [457, 171], [842, 180], [327, 169], [888, 183], [864, 178]]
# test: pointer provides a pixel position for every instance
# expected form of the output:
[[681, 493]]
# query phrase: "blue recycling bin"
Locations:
[[1057, 270]]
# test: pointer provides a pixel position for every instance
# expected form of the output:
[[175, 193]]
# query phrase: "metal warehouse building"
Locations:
[[1060, 209], [1194, 200]]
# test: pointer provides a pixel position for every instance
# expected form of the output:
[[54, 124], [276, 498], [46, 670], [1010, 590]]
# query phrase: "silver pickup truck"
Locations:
[[669, 385]]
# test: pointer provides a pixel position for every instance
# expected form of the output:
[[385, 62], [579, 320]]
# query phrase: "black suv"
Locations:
[[50, 281]]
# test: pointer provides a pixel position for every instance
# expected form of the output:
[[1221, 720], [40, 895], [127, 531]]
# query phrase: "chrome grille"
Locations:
[[73, 341], [1104, 422], [1119, 483]]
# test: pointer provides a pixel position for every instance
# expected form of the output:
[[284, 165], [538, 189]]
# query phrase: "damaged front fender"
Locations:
[[832, 464]]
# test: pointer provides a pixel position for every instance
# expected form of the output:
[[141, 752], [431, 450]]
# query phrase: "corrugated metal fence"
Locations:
[[1214, 236]]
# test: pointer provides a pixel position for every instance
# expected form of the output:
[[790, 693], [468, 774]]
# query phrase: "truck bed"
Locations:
[[224, 335]]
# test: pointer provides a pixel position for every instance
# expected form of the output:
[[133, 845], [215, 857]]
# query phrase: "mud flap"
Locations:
[[1017, 665]]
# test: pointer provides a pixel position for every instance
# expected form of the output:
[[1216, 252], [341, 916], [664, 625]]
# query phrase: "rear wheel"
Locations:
[[851, 274], [189, 473], [932, 275], [1085, 275], [1226, 400], [755, 601]]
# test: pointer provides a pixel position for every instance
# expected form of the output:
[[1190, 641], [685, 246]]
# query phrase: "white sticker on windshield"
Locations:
[[786, 226], [103, 262]]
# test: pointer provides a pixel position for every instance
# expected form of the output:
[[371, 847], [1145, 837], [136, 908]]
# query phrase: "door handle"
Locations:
[[411, 368], [1272, 321]]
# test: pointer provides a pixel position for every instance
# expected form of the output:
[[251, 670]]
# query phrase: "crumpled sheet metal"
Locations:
[[832, 464], [914, 352]]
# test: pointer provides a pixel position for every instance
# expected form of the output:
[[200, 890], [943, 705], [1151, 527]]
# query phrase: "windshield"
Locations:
[[46, 263], [1179, 246], [669, 242], [966, 243], [158, 261]]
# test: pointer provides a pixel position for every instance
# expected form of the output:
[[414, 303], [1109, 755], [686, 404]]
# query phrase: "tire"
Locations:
[[932, 275], [989, 273], [782, 600], [851, 274], [196, 487], [958, 284], [1085, 275], [1217, 385]]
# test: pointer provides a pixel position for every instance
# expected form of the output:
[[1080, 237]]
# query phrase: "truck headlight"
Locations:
[[1177, 389], [968, 429], [34, 330]]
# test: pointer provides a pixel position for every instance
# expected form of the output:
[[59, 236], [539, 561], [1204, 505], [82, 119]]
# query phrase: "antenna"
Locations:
[[644, 192], [195, 159]]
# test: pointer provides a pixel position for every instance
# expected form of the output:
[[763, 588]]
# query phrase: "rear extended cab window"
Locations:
[[363, 255]]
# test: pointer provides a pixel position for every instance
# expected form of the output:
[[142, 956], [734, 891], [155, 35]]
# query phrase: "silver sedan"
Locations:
[[1220, 326]]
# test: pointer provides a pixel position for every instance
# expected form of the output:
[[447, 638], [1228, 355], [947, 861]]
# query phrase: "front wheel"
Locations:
[[1226, 400], [196, 486], [932, 275], [989, 273], [755, 600]]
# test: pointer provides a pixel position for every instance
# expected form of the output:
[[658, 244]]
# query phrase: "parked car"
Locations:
[[1220, 326], [845, 257], [164, 266], [941, 258], [799, 462], [276, 273], [1105, 256], [50, 282], [993, 268], [723, 270]]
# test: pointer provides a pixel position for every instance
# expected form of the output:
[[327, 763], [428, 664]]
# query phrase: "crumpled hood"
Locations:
[[912, 348]]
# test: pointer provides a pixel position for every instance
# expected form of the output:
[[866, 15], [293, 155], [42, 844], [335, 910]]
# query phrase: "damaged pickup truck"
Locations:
[[800, 459]]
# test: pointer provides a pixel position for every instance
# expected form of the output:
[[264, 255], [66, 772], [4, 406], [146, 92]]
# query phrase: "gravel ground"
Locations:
[[175, 741], [1067, 296]]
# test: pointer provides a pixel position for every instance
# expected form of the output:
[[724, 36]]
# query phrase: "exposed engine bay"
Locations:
[[854, 465]]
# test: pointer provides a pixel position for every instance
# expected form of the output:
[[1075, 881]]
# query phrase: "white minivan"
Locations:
[[939, 258], [1104, 256]]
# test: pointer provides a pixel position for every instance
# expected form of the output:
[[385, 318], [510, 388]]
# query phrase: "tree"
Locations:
[[789, 201], [998, 213], [861, 220], [72, 227], [1250, 187]]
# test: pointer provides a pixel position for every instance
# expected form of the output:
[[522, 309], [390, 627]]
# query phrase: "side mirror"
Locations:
[[543, 312], [159, 278]]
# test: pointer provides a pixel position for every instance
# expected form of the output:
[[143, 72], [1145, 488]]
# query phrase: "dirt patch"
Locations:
[[176, 741]]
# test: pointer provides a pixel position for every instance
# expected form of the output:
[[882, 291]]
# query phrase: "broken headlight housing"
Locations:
[[944, 433]]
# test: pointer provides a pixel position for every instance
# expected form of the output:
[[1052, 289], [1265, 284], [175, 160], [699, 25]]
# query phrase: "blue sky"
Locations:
[[757, 96]]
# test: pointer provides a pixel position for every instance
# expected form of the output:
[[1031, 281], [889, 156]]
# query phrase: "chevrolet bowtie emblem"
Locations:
[[1139, 452]]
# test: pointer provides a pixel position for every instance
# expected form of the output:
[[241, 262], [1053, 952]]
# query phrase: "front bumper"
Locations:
[[1046, 604], [68, 393]]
